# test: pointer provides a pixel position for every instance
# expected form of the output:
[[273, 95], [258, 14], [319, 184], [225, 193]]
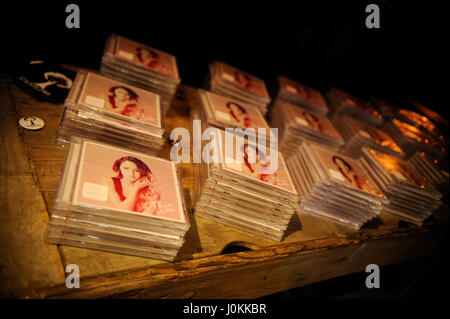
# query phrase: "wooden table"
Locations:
[[313, 250]]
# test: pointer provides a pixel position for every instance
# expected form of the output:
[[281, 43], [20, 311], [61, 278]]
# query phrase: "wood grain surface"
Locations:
[[313, 249]]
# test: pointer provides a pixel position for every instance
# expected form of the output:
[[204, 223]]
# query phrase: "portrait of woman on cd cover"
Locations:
[[147, 57], [261, 160], [123, 100], [238, 113], [347, 171], [132, 186], [243, 80], [313, 121], [303, 91]]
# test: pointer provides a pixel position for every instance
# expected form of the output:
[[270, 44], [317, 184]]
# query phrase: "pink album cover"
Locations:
[[243, 165], [146, 56], [382, 139], [400, 170], [121, 99], [420, 120], [360, 104], [116, 179], [302, 91], [345, 170], [304, 117], [374, 134], [243, 80], [235, 113]]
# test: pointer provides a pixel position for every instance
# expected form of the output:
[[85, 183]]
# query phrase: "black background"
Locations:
[[319, 43]]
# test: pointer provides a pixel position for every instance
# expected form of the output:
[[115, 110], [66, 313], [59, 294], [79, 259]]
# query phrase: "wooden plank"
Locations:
[[48, 158], [255, 273], [26, 261], [49, 112], [200, 266]]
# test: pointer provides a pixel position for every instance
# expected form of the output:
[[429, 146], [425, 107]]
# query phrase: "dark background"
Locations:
[[319, 43]]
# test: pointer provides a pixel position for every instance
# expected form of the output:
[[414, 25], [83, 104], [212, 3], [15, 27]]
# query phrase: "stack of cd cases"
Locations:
[[388, 110], [420, 121], [334, 187], [229, 81], [412, 197], [296, 124], [112, 112], [424, 124], [302, 95], [142, 66], [248, 189], [342, 103], [116, 200], [358, 135], [413, 119], [224, 112], [411, 139], [433, 170]]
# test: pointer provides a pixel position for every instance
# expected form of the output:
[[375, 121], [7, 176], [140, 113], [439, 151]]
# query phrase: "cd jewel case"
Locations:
[[142, 66], [114, 199], [301, 95], [412, 197], [296, 124], [436, 171], [243, 191], [224, 112], [334, 187], [411, 139], [358, 135], [342, 103], [228, 81], [109, 111]]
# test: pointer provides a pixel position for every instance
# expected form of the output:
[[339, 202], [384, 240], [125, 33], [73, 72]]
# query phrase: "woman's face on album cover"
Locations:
[[303, 91], [310, 118], [236, 110], [146, 56], [347, 171], [340, 164], [312, 121], [121, 94], [130, 170], [241, 78]]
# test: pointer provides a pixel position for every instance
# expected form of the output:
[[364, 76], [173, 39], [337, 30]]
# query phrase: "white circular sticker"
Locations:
[[31, 123]]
